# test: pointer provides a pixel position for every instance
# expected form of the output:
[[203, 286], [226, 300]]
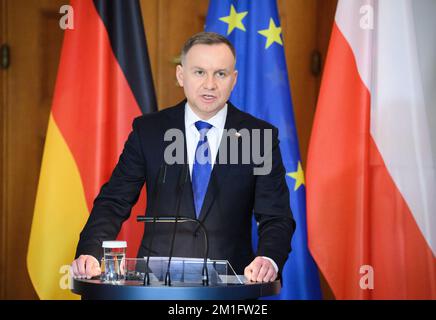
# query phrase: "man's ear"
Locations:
[[236, 78], [179, 75]]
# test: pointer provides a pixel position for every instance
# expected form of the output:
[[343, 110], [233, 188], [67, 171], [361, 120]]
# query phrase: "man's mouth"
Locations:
[[208, 97]]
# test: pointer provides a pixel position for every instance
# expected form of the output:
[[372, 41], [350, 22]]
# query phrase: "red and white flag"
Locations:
[[371, 181]]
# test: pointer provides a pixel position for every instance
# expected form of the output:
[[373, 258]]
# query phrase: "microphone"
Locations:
[[156, 195], [183, 178], [205, 274]]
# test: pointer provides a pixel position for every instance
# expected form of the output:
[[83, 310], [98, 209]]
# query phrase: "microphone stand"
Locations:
[[161, 180], [182, 182], [205, 274]]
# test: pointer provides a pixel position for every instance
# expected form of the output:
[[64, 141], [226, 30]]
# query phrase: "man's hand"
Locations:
[[260, 270], [86, 267]]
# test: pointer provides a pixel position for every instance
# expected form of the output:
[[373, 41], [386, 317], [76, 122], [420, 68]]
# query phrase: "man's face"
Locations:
[[207, 76]]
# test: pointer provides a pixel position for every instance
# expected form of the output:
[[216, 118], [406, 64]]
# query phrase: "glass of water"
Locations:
[[113, 262]]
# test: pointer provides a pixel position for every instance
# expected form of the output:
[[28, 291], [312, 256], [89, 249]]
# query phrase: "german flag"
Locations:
[[104, 81]]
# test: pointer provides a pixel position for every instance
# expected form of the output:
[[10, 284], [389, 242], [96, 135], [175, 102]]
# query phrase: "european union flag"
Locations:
[[263, 91]]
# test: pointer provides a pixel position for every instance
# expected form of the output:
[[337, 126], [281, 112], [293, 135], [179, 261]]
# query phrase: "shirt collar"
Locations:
[[218, 120]]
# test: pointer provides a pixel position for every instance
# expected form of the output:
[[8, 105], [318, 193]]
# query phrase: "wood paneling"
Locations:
[[298, 19], [35, 37], [150, 17], [3, 117], [178, 20], [325, 18]]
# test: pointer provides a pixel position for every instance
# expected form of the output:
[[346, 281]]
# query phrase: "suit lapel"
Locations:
[[220, 170], [177, 121]]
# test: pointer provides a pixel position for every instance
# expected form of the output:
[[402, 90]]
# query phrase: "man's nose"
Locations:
[[209, 83]]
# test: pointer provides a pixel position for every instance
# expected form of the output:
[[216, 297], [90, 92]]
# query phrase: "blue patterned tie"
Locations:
[[202, 166]]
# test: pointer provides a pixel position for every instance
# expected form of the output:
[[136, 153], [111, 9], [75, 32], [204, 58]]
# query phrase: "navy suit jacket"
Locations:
[[234, 193]]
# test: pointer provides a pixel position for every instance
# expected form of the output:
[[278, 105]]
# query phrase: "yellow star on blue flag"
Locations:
[[298, 176], [234, 20], [272, 34]]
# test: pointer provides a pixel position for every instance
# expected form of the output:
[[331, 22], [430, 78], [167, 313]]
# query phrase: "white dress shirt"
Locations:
[[214, 136]]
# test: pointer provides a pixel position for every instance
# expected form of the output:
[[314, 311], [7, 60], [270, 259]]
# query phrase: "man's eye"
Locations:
[[199, 72], [221, 74]]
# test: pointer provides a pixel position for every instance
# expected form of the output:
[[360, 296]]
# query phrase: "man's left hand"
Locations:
[[260, 270]]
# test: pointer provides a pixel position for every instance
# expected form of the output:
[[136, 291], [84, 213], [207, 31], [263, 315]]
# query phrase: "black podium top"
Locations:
[[134, 290]]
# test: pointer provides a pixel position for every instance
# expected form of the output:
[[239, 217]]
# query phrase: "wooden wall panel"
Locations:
[[3, 114], [150, 17], [298, 19], [325, 18], [35, 37], [178, 20]]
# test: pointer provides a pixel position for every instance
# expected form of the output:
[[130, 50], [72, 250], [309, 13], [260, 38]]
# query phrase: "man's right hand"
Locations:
[[86, 267]]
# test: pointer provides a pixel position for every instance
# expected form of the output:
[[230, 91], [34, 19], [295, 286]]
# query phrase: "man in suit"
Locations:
[[222, 194]]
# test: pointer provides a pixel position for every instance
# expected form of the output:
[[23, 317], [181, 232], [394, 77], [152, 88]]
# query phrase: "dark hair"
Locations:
[[208, 38]]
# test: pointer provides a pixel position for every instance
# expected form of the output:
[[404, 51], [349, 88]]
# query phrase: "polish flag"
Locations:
[[371, 181]]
